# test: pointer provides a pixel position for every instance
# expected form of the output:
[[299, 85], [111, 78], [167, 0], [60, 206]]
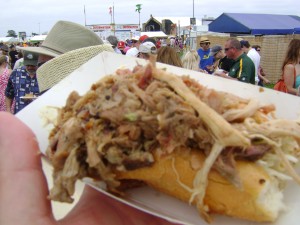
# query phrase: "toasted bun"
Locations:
[[259, 199]]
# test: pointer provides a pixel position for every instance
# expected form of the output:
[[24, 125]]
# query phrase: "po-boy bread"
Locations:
[[130, 124], [259, 199]]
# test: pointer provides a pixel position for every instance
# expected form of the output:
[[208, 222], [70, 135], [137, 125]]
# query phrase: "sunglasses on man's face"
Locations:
[[226, 49]]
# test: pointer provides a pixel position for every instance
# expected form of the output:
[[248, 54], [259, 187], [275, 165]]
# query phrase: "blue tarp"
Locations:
[[255, 24]]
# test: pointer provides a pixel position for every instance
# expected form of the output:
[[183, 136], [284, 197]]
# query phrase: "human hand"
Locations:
[[220, 73], [24, 190], [266, 81]]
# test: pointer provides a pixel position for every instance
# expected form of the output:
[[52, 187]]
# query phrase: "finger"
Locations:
[[23, 188], [96, 208]]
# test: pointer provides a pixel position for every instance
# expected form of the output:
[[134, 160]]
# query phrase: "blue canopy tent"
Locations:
[[255, 24], [297, 30]]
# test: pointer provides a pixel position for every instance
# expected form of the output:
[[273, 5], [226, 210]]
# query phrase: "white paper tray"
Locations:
[[146, 199]]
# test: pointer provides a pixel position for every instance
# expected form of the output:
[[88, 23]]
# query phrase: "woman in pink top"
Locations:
[[4, 75]]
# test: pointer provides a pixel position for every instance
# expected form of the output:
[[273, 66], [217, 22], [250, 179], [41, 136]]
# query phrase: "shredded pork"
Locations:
[[124, 117]]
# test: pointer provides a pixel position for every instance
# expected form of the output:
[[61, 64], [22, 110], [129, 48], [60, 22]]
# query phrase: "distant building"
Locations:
[[175, 25], [121, 31]]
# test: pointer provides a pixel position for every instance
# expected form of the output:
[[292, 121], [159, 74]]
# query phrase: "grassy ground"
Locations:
[[271, 86]]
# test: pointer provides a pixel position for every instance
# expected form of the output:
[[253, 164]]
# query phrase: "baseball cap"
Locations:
[[30, 58], [215, 49], [132, 52], [121, 45], [245, 43], [135, 38], [142, 38], [4, 48], [147, 47]]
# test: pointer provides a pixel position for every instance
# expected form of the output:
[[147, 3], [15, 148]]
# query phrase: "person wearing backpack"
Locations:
[[291, 68]]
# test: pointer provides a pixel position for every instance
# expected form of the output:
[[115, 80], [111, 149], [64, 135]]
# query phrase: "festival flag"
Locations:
[[110, 10]]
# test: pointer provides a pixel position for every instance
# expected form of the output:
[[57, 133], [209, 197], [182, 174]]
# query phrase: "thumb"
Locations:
[[23, 187]]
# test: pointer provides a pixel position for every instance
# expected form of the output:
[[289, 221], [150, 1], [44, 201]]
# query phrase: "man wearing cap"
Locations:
[[121, 47], [146, 49], [221, 61], [206, 62], [22, 82], [134, 50], [243, 68], [136, 41]]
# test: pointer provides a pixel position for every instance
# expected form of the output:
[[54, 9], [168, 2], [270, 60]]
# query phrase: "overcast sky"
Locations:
[[39, 16]]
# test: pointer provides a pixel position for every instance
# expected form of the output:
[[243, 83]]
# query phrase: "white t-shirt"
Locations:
[[18, 63], [255, 57]]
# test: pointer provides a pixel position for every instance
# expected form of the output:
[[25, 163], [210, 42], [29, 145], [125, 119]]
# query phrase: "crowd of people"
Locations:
[[69, 42], [237, 60]]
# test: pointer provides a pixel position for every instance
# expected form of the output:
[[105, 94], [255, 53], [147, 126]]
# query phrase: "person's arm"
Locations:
[[289, 78], [224, 74], [262, 75], [9, 95], [8, 104]]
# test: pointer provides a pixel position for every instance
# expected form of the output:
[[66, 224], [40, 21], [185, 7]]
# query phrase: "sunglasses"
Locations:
[[226, 49], [207, 43]]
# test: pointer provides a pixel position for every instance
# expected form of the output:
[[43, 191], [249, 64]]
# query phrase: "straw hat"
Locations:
[[66, 36], [60, 67], [204, 40]]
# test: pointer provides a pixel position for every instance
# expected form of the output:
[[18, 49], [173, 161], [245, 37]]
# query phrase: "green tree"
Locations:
[[11, 33], [138, 8]]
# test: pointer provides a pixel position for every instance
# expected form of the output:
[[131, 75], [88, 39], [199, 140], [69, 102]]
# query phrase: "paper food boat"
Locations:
[[146, 199]]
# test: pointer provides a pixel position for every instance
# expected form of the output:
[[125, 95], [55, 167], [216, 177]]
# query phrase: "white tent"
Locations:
[[38, 38], [152, 34], [8, 39]]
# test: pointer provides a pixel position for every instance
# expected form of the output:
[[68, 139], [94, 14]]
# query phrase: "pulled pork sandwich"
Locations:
[[222, 153]]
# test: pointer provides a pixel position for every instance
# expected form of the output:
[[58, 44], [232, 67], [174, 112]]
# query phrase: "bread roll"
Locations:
[[259, 199]]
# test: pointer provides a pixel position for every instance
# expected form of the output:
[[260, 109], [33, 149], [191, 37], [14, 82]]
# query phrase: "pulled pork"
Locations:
[[124, 117]]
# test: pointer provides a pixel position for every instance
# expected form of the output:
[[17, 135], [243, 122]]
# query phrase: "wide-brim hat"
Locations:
[[60, 67], [65, 36]]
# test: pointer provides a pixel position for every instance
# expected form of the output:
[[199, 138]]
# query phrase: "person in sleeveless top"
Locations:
[[291, 67], [4, 76]]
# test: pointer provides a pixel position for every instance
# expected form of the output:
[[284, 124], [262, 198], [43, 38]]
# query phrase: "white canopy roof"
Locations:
[[154, 34], [8, 39], [38, 38], [180, 21]]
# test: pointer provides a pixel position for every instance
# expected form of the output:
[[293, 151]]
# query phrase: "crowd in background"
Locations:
[[20, 85], [236, 60]]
